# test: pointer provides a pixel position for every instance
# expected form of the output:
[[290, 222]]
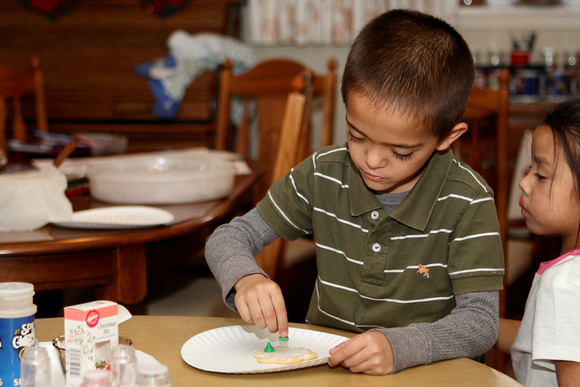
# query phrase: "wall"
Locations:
[[88, 58], [486, 29]]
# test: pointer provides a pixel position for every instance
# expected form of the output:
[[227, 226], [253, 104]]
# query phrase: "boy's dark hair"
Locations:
[[564, 121], [414, 64]]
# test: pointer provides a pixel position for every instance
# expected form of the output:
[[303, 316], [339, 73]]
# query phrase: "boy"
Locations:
[[408, 248]]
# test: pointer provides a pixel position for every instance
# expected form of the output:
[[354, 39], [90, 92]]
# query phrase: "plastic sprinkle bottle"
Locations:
[[16, 328], [151, 373], [96, 378]]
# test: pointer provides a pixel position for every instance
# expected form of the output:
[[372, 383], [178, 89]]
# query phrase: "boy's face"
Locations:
[[550, 204], [388, 149]]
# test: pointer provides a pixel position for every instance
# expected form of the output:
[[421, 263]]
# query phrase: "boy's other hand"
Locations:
[[368, 353], [259, 300]]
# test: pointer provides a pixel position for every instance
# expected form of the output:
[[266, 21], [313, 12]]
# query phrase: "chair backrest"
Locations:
[[487, 103], [287, 153], [262, 92], [15, 88]]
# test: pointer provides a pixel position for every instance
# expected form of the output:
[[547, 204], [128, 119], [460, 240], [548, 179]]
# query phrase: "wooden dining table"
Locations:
[[116, 262], [163, 337]]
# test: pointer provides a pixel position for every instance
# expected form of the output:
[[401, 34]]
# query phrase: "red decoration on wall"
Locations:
[[163, 8], [50, 8]]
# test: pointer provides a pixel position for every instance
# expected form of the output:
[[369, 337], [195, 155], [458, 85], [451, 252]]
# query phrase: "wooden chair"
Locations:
[[484, 103], [262, 91], [15, 88], [484, 106], [288, 151]]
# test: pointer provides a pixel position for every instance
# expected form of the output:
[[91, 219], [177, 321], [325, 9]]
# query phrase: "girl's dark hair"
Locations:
[[564, 121], [414, 64]]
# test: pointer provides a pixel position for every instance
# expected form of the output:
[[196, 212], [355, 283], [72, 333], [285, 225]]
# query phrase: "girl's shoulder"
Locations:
[[561, 271]]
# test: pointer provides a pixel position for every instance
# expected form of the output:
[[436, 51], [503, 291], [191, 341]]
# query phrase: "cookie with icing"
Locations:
[[284, 355]]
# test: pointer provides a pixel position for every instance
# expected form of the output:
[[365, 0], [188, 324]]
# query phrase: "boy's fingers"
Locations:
[[282, 317], [338, 354], [333, 350], [363, 354], [243, 310], [347, 353], [269, 315], [245, 314], [260, 301]]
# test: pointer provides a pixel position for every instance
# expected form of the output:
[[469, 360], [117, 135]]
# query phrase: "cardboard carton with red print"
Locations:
[[91, 332]]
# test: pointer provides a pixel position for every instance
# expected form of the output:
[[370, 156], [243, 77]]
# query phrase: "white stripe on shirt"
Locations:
[[296, 189], [284, 215], [471, 173], [339, 252], [482, 235], [340, 220], [411, 236], [330, 178], [455, 196], [393, 300], [316, 156], [478, 270], [413, 267]]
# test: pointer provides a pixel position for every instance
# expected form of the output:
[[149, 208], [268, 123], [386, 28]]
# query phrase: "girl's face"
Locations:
[[388, 149], [550, 203]]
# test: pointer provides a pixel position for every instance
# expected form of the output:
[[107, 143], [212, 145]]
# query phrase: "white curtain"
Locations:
[[327, 22]]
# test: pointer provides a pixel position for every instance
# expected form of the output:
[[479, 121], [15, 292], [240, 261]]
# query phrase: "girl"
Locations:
[[546, 349]]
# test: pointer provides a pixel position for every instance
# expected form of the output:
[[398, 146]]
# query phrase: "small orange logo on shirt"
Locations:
[[423, 270]]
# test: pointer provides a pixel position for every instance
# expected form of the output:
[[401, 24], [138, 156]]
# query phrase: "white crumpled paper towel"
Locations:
[[29, 200]]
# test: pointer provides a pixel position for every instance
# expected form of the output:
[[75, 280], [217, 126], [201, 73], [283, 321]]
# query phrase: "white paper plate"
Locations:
[[120, 217], [231, 349]]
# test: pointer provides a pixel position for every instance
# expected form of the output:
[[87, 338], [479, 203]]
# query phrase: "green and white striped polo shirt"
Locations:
[[379, 269]]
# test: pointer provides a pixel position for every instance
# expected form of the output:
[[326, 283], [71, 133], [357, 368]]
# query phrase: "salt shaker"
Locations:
[[123, 366], [35, 367], [151, 373], [17, 331], [96, 378]]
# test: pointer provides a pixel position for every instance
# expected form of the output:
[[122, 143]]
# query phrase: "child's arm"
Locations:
[[568, 373], [508, 330], [470, 330], [230, 253]]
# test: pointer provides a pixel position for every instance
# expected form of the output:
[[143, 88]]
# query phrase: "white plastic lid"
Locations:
[[153, 368], [12, 288], [97, 377], [16, 299]]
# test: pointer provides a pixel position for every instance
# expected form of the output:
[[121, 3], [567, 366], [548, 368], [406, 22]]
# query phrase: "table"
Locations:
[[115, 262], [163, 337]]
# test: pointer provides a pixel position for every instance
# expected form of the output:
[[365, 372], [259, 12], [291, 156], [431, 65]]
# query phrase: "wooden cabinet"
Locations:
[[88, 57]]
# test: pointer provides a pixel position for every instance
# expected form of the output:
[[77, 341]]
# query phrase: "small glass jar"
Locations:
[[151, 373]]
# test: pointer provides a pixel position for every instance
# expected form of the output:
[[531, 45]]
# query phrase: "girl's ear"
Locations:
[[453, 135]]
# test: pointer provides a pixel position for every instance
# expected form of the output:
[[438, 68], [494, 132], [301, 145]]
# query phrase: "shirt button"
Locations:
[[376, 247], [374, 215]]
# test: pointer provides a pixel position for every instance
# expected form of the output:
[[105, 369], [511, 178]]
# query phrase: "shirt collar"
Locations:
[[416, 208], [548, 264], [362, 199]]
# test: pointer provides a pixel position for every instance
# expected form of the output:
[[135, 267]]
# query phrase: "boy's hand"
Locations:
[[260, 301], [369, 353]]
